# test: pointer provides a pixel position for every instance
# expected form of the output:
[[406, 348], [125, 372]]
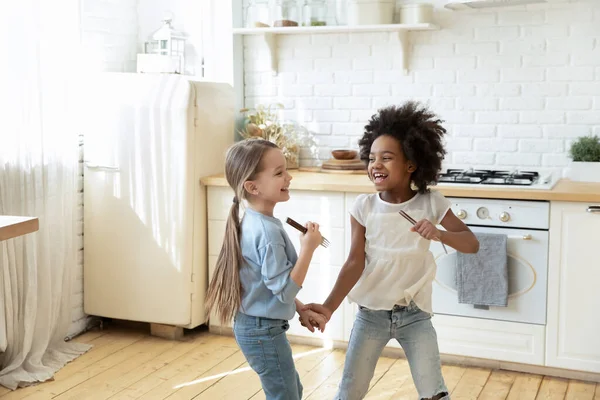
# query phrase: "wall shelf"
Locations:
[[270, 35], [336, 29]]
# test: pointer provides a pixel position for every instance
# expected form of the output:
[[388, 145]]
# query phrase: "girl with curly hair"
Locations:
[[390, 268]]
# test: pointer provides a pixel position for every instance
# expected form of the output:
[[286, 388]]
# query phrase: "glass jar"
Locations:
[[341, 12], [314, 13], [285, 13], [258, 14]]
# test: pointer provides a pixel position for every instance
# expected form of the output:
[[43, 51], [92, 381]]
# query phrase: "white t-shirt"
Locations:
[[398, 264]]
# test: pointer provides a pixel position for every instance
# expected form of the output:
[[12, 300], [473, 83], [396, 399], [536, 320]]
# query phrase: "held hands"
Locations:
[[312, 238], [311, 320], [427, 230], [319, 309]]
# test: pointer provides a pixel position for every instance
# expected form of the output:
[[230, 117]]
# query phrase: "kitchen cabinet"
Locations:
[[573, 302], [573, 339], [490, 339]]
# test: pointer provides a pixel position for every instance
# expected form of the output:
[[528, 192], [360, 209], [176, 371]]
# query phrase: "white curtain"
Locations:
[[39, 45]]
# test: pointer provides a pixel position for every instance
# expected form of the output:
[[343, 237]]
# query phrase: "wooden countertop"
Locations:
[[564, 190], [11, 226]]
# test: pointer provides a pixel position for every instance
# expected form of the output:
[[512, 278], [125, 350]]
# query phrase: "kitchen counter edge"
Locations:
[[564, 190]]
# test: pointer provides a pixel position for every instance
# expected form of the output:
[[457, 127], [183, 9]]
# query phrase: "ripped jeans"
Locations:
[[372, 330]]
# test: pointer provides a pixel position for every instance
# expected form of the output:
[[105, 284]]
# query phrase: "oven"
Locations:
[[526, 224]]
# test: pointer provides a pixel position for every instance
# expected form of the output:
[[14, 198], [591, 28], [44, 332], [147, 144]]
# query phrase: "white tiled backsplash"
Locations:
[[514, 85]]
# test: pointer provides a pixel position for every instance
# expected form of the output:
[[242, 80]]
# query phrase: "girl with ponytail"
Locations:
[[258, 272]]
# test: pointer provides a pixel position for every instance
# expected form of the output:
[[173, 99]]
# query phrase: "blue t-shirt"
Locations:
[[268, 258]]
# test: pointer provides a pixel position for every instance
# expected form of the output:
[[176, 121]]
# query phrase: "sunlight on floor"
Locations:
[[245, 369]]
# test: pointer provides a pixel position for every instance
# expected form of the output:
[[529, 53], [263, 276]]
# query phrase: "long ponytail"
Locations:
[[225, 289], [224, 293]]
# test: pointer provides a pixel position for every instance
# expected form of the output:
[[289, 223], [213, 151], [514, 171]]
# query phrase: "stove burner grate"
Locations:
[[489, 177]]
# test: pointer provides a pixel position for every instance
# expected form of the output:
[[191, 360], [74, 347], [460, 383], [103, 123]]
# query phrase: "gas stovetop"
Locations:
[[496, 178]]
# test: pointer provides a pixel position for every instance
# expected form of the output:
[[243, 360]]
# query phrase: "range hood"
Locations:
[[479, 4]]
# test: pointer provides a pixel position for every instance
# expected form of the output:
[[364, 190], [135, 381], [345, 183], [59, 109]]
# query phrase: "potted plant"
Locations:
[[585, 153], [262, 123]]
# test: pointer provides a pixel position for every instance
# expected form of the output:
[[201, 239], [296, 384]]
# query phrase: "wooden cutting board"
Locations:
[[342, 167], [351, 165], [334, 171], [354, 161]]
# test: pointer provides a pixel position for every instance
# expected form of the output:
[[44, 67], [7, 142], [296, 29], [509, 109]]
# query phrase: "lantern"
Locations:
[[167, 42]]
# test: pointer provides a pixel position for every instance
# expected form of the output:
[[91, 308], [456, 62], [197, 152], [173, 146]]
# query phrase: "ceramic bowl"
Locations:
[[344, 154]]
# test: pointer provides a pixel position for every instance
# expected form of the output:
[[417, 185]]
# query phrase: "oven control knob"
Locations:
[[483, 213], [505, 217], [462, 214]]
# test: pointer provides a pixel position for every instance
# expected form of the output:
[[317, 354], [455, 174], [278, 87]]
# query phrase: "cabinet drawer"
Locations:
[[495, 340]]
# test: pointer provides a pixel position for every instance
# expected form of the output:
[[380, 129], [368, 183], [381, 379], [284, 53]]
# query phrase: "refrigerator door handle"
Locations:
[[96, 167]]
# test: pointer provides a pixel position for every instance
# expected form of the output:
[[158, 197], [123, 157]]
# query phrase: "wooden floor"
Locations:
[[129, 364]]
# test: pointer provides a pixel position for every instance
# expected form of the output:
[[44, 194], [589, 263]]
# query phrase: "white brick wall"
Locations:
[[109, 34], [514, 85], [109, 37]]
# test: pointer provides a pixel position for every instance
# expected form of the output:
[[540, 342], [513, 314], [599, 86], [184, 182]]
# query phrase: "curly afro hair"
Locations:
[[420, 134]]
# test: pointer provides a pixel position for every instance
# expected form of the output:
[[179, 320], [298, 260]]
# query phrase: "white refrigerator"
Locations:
[[148, 139]]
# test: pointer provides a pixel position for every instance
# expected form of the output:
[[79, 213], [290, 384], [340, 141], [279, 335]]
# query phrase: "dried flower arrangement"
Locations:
[[263, 123]]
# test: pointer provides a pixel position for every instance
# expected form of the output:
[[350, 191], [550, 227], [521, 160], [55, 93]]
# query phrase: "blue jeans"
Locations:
[[269, 354], [372, 330]]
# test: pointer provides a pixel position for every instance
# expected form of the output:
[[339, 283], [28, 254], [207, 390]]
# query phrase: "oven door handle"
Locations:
[[593, 209], [522, 237]]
